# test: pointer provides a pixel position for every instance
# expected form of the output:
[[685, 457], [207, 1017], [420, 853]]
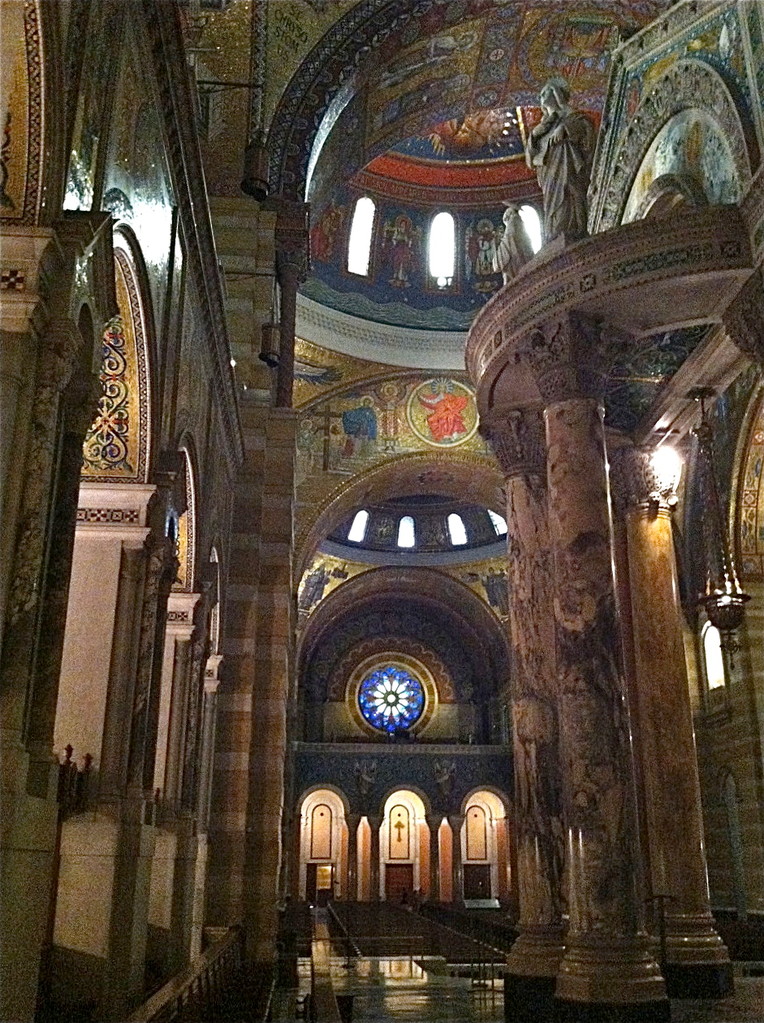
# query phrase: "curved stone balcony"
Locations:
[[638, 279]]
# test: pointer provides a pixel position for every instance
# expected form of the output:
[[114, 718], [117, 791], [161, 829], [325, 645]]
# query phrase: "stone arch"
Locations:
[[118, 445], [187, 518], [465, 476], [688, 84]]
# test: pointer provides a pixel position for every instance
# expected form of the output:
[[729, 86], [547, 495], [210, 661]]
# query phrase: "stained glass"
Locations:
[[390, 698]]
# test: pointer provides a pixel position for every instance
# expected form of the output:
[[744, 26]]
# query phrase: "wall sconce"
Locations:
[[270, 341], [723, 599]]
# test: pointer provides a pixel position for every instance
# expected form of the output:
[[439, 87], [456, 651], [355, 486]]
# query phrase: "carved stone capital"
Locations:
[[569, 358], [59, 351], [744, 320], [634, 480], [517, 439]]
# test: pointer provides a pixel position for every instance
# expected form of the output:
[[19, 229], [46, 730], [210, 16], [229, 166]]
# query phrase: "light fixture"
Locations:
[[666, 464], [723, 599]]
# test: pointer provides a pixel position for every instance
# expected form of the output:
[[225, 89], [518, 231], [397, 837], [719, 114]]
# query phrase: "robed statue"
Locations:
[[560, 148], [515, 247]]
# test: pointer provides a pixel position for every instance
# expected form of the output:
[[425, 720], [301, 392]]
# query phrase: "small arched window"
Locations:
[[442, 249], [713, 658], [532, 224], [359, 242], [357, 530], [499, 524], [456, 529], [406, 535]]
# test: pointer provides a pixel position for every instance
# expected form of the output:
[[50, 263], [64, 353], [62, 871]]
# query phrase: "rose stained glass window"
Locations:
[[390, 698]]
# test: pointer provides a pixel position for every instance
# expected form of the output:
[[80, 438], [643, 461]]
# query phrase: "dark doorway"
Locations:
[[319, 883], [477, 881], [399, 882]]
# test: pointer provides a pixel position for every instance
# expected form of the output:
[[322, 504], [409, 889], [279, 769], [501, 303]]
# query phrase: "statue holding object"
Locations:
[[560, 148], [514, 249]]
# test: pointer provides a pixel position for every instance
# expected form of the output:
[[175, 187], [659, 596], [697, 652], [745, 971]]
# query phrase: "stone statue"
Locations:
[[515, 248], [561, 147]]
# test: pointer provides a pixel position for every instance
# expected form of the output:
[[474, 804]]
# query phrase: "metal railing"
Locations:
[[198, 993]]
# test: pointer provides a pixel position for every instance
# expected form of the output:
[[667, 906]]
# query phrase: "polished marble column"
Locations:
[[608, 970], [375, 823], [457, 867], [697, 962], [517, 438], [433, 824], [352, 820]]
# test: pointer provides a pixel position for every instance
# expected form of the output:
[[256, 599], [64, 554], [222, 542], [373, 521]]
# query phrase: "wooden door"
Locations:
[[477, 881], [399, 882]]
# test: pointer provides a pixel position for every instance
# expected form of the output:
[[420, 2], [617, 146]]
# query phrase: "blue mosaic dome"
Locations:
[[390, 699]]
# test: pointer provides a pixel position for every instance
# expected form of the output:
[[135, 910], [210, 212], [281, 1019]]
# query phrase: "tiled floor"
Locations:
[[398, 990]]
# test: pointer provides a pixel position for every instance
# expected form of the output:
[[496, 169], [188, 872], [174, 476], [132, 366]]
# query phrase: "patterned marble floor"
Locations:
[[399, 990]]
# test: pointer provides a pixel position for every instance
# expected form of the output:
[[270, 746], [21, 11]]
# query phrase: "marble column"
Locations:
[[608, 967], [375, 823], [517, 438], [291, 270], [456, 821], [433, 824], [697, 962], [352, 820]]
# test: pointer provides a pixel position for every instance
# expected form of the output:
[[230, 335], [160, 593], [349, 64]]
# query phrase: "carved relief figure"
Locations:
[[560, 148]]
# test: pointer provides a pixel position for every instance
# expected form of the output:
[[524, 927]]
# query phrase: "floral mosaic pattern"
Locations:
[[390, 699]]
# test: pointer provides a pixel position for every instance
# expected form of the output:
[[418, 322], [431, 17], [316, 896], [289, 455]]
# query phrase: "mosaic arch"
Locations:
[[688, 85], [411, 50], [21, 113], [750, 497], [116, 448], [187, 528]]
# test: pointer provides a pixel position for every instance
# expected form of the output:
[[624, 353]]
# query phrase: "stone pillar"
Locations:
[[291, 270], [517, 438], [273, 664], [375, 822], [433, 824], [607, 966], [697, 963], [353, 820], [457, 869]]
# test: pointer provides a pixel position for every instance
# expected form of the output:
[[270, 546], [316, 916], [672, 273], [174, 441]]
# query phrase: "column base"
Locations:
[[699, 980], [528, 999], [607, 1012]]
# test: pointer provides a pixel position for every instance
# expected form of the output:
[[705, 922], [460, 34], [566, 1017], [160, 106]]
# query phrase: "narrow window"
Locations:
[[532, 223], [357, 530], [456, 529], [359, 242], [442, 249], [713, 658], [499, 524], [406, 537]]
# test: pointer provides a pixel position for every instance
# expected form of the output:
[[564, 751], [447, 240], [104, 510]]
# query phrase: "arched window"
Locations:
[[713, 658], [357, 530], [499, 524], [406, 535], [359, 242], [532, 224], [456, 529], [442, 249], [321, 832]]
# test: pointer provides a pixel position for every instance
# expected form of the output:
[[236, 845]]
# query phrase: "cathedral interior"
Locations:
[[382, 501]]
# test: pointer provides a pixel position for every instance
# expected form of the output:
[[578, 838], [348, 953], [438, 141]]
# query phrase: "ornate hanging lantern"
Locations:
[[723, 599]]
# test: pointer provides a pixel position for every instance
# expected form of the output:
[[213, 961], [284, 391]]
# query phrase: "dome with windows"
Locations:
[[425, 524]]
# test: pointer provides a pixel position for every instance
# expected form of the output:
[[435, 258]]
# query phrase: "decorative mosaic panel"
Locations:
[[750, 526], [21, 113], [116, 446]]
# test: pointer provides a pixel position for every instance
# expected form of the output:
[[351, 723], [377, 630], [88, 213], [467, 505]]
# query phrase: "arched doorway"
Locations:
[[485, 851], [323, 847], [403, 847]]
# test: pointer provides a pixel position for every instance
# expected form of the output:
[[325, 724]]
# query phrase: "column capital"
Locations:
[[570, 355], [635, 482], [434, 822], [744, 319], [517, 439]]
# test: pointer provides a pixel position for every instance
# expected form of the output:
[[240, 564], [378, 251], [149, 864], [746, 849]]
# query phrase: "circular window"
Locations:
[[390, 699]]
